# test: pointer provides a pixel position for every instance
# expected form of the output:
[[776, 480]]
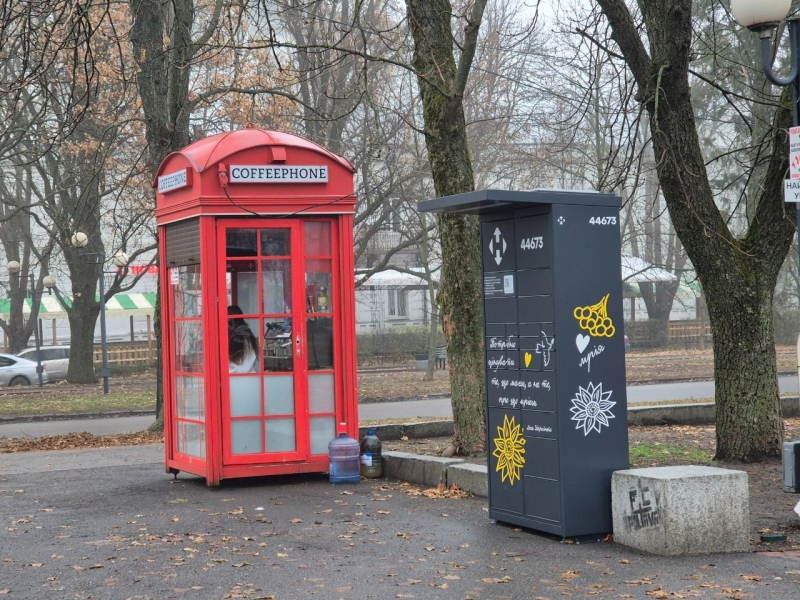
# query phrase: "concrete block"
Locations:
[[469, 477], [415, 468], [676, 511]]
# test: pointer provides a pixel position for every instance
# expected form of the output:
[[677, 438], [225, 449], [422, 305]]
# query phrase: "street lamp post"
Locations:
[[120, 259], [49, 282]]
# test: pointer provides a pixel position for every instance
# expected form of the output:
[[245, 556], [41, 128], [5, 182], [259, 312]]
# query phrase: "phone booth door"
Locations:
[[277, 340]]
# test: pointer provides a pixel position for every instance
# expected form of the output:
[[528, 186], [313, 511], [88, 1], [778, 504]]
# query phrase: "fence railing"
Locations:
[[689, 331], [128, 354]]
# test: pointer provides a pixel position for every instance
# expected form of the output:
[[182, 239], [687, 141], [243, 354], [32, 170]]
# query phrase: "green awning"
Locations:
[[120, 305]]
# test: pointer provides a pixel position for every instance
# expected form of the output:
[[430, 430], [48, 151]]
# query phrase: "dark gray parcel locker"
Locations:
[[554, 354]]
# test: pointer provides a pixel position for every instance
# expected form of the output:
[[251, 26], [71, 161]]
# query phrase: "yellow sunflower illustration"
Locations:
[[508, 449]]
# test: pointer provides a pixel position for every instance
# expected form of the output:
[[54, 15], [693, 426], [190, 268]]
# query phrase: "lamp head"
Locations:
[[49, 282], [760, 15], [120, 259], [79, 239], [13, 267]]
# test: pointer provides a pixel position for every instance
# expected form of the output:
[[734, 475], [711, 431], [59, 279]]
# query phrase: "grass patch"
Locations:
[[661, 455], [89, 401], [395, 421]]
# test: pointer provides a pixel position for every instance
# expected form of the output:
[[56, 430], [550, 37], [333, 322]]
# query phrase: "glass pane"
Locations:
[[190, 398], [279, 395], [245, 396], [318, 238], [318, 285], [186, 291], [191, 439], [241, 242], [243, 349], [246, 437], [280, 435], [323, 430], [276, 242], [244, 285], [278, 351], [320, 393], [276, 278], [189, 346], [320, 343]]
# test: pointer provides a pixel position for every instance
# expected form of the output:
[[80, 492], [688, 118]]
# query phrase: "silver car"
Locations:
[[55, 358], [15, 370]]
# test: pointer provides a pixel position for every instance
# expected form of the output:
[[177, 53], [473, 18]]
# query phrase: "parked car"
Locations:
[[55, 358], [15, 370]]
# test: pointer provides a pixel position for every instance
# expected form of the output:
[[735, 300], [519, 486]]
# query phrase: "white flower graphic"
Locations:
[[591, 408]]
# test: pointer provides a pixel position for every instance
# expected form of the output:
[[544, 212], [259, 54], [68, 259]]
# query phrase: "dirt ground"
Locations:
[[771, 509]]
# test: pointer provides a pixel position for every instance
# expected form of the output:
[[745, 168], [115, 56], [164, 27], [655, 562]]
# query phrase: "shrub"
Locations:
[[397, 343]]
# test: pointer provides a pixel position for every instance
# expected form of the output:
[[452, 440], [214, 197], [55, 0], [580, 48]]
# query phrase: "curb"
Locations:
[[434, 470], [75, 416]]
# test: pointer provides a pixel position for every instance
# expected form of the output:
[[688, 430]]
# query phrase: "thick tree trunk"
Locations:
[[442, 85], [738, 273], [749, 424], [82, 319]]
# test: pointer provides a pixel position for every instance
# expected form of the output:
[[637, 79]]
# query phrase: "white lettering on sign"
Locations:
[[173, 181], [791, 190], [539, 429], [279, 174]]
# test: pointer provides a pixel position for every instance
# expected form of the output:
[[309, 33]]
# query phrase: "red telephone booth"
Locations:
[[257, 301]]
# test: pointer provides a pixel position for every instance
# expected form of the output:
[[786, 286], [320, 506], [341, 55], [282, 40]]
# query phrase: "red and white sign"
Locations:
[[794, 153]]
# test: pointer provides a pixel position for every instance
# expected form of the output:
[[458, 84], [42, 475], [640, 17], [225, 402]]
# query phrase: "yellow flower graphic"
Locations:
[[508, 449]]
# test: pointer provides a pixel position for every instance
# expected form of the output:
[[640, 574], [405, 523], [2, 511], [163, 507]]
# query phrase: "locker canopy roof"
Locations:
[[485, 201], [120, 305]]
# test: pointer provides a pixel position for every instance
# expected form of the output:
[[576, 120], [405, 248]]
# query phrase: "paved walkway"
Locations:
[[437, 407], [111, 523]]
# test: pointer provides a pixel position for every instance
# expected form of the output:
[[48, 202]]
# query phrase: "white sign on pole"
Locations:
[[794, 153], [791, 190]]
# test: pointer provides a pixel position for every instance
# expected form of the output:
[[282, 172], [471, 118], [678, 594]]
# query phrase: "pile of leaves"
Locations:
[[71, 441]]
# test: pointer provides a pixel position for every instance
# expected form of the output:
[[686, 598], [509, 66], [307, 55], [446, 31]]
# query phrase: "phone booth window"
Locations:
[[189, 397], [320, 333]]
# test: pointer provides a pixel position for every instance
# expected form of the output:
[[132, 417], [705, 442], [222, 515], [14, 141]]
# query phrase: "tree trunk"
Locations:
[[442, 85], [82, 319], [738, 273], [749, 423]]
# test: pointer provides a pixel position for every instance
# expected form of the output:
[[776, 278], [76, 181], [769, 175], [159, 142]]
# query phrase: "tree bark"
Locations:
[[442, 85], [163, 47], [738, 274]]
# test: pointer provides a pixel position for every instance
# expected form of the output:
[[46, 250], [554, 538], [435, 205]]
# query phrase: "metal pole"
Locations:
[[35, 318], [103, 342]]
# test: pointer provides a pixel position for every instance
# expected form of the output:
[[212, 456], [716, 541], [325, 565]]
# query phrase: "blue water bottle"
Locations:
[[343, 453]]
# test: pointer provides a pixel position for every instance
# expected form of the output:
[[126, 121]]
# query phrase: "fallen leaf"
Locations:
[[295, 520], [505, 579], [751, 577], [569, 575]]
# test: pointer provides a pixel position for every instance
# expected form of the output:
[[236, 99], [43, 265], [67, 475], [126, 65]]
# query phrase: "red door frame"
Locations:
[[342, 298]]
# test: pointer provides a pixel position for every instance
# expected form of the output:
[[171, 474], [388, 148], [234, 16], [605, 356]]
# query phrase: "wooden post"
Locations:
[[149, 341], [55, 335]]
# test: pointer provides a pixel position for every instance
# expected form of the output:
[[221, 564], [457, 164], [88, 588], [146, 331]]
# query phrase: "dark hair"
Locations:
[[240, 337]]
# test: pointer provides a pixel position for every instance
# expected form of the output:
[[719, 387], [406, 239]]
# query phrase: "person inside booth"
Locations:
[[242, 344]]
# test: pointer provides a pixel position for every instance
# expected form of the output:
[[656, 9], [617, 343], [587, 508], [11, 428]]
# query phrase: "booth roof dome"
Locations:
[[212, 150]]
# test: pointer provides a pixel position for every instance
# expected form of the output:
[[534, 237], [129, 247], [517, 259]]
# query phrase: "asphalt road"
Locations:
[[110, 523], [438, 407]]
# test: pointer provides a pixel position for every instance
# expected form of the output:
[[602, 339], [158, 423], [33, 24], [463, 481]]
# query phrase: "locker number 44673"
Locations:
[[603, 221], [532, 243]]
